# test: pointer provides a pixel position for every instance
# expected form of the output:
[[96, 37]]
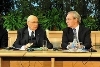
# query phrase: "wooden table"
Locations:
[[6, 56]]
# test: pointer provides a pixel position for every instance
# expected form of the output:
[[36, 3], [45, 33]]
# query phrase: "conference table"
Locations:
[[50, 58]]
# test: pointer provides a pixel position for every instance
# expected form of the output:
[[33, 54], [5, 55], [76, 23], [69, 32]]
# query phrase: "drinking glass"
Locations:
[[45, 45]]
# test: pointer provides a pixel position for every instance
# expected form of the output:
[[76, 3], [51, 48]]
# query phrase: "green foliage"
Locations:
[[53, 20], [90, 22], [13, 21], [51, 13]]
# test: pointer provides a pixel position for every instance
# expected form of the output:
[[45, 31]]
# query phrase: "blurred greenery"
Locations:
[[13, 21], [53, 20], [90, 22], [51, 13]]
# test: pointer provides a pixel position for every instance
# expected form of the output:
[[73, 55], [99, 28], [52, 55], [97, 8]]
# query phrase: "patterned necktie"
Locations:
[[75, 36]]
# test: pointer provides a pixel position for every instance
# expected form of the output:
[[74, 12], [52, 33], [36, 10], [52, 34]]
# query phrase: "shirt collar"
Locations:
[[77, 28], [30, 30]]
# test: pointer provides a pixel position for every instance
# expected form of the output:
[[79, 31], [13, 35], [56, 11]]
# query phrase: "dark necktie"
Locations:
[[32, 34]]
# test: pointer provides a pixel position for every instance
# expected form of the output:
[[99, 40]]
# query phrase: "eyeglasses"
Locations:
[[34, 22]]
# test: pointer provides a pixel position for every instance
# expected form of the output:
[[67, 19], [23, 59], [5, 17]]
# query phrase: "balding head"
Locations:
[[32, 22], [31, 18]]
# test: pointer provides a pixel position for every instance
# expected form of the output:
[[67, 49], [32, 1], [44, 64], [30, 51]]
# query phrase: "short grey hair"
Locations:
[[76, 15], [31, 17]]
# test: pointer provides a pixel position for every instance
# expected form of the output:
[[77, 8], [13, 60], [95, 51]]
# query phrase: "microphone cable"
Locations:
[[84, 63], [22, 58], [89, 57], [73, 64], [39, 63]]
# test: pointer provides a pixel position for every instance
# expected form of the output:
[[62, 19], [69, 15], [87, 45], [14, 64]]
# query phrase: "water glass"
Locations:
[[45, 45]]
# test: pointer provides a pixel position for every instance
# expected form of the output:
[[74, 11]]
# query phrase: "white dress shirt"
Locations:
[[30, 31]]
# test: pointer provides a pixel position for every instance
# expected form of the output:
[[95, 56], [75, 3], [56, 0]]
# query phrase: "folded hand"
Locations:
[[28, 45]]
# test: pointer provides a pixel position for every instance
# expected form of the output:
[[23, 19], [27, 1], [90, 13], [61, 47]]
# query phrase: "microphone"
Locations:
[[92, 50], [30, 47], [12, 48], [9, 48]]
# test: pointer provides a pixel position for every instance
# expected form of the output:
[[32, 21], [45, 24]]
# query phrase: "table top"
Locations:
[[49, 53]]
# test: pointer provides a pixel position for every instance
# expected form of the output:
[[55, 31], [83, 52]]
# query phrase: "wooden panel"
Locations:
[[4, 62], [27, 64], [35, 64], [96, 36], [55, 34], [57, 64], [81, 64], [11, 37], [93, 39], [97, 39], [40, 59]]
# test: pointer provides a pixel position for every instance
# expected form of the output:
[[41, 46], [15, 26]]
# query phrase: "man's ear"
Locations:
[[27, 23], [76, 20]]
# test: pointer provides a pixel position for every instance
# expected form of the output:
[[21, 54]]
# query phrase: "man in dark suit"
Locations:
[[3, 37], [31, 34], [83, 34]]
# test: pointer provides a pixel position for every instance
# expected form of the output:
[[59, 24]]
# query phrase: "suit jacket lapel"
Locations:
[[71, 34], [37, 35], [26, 35], [79, 32]]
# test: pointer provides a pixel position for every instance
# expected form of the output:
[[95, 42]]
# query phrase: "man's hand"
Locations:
[[28, 45]]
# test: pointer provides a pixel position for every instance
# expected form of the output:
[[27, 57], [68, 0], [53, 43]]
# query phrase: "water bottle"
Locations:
[[74, 43]]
